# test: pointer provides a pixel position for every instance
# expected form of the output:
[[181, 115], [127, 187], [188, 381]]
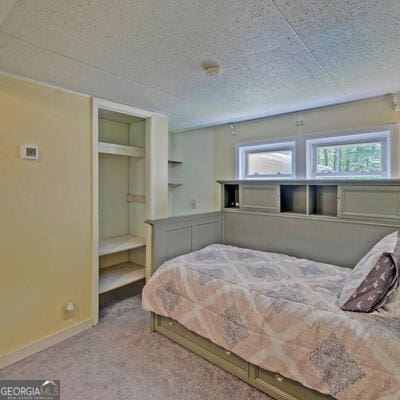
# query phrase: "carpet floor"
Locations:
[[120, 359]]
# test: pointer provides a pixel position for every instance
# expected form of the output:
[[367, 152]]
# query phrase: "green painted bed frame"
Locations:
[[273, 384], [309, 236]]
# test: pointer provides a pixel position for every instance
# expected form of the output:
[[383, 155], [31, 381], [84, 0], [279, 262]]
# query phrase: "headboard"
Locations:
[[333, 241]]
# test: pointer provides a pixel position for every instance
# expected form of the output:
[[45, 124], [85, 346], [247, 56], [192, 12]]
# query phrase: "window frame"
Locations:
[[302, 158], [384, 135], [244, 149]]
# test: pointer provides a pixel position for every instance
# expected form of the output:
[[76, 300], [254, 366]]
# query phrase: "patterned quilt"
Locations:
[[281, 313]]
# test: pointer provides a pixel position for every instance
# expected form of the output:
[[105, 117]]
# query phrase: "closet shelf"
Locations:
[[136, 198], [174, 185], [174, 162], [120, 243], [120, 149], [120, 275]]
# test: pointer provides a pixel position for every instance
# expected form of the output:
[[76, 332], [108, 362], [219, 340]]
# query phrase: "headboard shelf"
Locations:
[[377, 201], [323, 200], [377, 182], [293, 198]]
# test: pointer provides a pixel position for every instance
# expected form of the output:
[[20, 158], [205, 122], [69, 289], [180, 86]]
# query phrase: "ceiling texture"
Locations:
[[276, 56]]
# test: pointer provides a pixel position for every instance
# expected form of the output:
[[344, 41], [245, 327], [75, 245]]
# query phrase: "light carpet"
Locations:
[[120, 359]]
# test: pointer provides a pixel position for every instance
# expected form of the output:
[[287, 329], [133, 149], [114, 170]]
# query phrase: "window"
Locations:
[[350, 156], [266, 160], [356, 154]]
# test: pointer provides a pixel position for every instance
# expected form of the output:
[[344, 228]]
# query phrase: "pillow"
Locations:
[[391, 308], [373, 278]]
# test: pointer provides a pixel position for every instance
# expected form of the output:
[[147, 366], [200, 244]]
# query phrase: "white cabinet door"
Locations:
[[369, 202], [256, 197]]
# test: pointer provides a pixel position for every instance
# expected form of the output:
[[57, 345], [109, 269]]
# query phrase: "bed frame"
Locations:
[[339, 241]]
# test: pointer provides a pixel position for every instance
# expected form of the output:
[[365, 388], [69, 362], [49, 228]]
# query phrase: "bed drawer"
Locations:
[[270, 383], [204, 347], [284, 388]]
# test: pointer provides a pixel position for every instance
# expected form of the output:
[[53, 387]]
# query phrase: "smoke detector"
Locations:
[[212, 70]]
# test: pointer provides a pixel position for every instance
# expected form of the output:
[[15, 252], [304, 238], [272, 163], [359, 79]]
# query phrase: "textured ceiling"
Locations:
[[276, 56]]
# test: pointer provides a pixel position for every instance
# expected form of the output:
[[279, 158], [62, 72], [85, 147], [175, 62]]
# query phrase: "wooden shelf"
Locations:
[[136, 198], [120, 275], [231, 196], [323, 200], [174, 162], [120, 243], [293, 198], [174, 185], [121, 150]]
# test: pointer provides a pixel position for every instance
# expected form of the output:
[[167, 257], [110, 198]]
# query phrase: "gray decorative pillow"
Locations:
[[373, 278]]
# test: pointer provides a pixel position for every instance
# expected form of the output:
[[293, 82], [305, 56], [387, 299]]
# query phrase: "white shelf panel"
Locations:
[[174, 185], [121, 150], [120, 275], [120, 243], [174, 163]]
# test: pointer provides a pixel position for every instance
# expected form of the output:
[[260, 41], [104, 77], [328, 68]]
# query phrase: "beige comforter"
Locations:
[[281, 313]]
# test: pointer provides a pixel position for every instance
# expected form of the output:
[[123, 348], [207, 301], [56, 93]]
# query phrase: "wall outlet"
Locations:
[[69, 310], [193, 203]]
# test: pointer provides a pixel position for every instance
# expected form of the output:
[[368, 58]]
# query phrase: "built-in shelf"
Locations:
[[323, 200], [120, 275], [173, 163], [317, 198], [293, 198], [120, 243], [136, 198], [231, 196], [174, 185], [121, 150]]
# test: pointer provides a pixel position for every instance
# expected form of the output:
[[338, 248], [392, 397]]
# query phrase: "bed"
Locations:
[[269, 318], [280, 313]]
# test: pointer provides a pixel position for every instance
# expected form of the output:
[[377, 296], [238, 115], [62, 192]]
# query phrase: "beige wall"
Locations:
[[196, 172], [45, 213], [367, 113]]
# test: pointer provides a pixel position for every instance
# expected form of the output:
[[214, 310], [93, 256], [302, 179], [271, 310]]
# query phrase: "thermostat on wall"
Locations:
[[29, 152]]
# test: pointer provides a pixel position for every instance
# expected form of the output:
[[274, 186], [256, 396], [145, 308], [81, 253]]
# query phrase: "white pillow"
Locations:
[[391, 308], [360, 291]]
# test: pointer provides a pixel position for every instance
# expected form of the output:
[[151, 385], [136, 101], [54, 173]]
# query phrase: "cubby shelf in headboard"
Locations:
[[364, 200]]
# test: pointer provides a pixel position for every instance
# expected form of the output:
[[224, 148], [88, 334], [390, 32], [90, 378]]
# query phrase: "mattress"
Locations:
[[281, 313]]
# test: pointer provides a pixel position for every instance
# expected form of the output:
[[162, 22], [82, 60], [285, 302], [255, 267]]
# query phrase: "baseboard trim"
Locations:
[[42, 344]]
